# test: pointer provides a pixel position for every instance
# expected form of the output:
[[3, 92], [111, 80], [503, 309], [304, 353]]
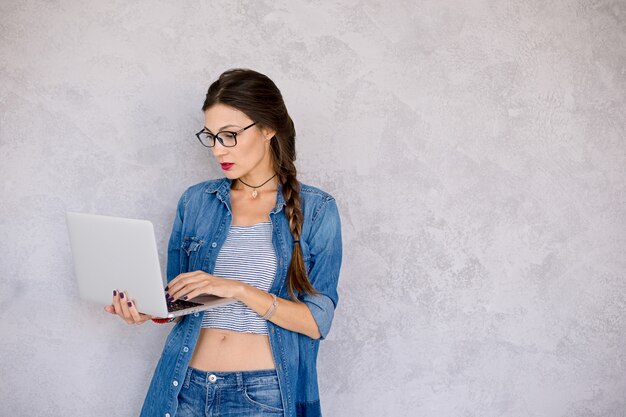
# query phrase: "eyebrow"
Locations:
[[221, 128]]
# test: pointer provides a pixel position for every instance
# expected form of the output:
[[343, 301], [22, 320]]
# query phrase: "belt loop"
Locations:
[[240, 381], [187, 377]]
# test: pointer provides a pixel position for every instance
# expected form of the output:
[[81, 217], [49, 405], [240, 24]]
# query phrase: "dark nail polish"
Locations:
[[130, 304], [185, 297], [121, 295], [167, 287], [114, 293], [167, 294]]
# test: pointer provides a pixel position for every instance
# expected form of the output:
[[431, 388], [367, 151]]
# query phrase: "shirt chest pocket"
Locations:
[[190, 253]]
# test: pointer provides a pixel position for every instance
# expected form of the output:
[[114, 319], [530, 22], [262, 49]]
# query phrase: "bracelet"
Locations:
[[163, 321], [270, 311]]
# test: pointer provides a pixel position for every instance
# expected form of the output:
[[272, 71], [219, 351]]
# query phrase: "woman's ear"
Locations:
[[268, 133]]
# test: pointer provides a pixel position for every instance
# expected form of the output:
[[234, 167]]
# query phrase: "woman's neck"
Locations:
[[267, 182]]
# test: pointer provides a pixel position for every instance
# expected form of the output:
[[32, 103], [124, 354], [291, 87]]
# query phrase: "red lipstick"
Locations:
[[226, 165]]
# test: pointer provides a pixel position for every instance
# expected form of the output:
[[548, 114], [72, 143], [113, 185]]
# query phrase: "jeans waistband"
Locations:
[[240, 378]]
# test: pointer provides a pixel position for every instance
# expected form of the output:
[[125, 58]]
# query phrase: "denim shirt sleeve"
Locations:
[[174, 244], [325, 251]]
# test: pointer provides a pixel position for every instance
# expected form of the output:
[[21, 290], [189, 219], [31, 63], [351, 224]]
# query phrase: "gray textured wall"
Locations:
[[476, 149]]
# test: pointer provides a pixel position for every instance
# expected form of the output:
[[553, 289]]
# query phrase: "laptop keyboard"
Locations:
[[180, 305]]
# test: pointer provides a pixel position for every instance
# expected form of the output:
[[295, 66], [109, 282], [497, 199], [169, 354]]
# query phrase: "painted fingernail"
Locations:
[[114, 293], [184, 297], [130, 304], [121, 295], [167, 294], [167, 287]]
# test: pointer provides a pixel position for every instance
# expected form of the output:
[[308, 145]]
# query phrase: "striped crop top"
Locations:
[[247, 256]]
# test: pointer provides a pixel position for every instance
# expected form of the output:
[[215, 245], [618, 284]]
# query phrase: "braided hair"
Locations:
[[257, 96]]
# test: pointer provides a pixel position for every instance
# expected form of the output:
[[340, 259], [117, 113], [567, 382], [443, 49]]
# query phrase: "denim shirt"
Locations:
[[202, 221]]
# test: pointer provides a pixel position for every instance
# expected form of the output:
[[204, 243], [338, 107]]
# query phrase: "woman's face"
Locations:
[[251, 157]]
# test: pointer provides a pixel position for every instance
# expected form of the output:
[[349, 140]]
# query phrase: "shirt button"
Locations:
[[175, 383], [167, 414], [185, 349], [196, 314], [214, 244], [212, 378]]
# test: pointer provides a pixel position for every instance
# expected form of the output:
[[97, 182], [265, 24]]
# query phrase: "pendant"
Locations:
[[254, 193]]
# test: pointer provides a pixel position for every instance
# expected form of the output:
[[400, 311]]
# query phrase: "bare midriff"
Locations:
[[225, 350]]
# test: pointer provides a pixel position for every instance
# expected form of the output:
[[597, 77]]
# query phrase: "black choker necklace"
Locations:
[[254, 192]]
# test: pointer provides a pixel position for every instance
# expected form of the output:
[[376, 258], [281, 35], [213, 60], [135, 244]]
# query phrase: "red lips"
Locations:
[[226, 166]]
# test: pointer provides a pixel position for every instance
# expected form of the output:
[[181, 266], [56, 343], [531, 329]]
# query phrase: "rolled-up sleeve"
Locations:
[[325, 249]]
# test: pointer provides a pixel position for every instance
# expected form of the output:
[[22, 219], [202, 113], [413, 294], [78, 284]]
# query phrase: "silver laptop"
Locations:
[[114, 253]]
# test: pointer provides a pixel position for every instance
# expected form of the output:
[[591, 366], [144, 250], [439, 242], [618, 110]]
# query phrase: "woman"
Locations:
[[258, 236]]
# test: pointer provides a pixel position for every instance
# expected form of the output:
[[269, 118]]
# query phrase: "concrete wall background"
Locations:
[[476, 150]]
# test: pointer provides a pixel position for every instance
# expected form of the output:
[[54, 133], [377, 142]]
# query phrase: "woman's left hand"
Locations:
[[192, 284]]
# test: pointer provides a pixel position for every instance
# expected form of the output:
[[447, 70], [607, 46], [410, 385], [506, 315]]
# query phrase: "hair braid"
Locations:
[[284, 154], [297, 276]]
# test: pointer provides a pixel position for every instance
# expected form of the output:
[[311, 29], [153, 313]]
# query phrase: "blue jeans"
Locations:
[[230, 394]]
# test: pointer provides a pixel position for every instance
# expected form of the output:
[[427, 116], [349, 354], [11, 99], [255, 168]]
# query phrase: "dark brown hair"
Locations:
[[258, 97]]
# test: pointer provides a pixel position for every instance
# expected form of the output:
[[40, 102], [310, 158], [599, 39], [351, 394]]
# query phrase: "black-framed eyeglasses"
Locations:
[[226, 138]]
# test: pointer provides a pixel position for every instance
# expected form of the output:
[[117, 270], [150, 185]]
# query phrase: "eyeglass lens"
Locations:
[[226, 139]]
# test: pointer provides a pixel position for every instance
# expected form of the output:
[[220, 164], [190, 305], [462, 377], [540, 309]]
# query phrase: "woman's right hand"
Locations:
[[124, 307]]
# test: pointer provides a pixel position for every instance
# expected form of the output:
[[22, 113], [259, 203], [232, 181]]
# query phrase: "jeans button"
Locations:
[[212, 378], [214, 244]]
